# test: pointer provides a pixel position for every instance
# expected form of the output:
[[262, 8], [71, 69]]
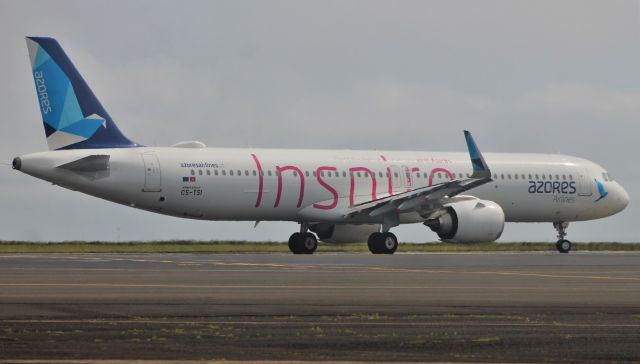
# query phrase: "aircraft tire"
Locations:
[[563, 246], [374, 243], [308, 243], [388, 243], [293, 243]]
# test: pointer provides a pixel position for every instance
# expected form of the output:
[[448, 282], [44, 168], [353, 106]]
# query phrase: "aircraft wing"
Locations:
[[414, 200]]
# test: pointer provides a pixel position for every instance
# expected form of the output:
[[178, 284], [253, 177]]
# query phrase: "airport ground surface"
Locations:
[[494, 307]]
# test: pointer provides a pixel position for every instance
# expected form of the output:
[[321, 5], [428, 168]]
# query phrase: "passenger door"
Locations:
[[152, 174]]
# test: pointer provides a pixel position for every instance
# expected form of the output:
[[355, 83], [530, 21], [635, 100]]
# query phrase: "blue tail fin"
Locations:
[[72, 115]]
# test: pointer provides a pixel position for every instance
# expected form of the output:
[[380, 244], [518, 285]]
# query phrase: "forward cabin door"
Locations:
[[152, 174], [585, 185]]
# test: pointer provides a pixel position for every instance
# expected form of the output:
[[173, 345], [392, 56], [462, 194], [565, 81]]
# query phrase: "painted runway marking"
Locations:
[[528, 274]]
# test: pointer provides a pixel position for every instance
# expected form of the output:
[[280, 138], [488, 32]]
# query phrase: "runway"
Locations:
[[406, 307]]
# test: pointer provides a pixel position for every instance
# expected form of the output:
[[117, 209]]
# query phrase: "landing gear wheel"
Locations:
[[382, 243], [563, 245], [389, 243], [303, 243], [309, 243], [293, 245], [373, 244]]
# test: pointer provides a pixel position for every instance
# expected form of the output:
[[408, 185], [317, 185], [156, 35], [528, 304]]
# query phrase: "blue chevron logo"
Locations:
[[601, 190]]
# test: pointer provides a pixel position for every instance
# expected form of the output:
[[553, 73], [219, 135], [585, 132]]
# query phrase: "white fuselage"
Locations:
[[317, 185]]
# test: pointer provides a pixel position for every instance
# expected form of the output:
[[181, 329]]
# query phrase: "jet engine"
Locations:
[[472, 221], [343, 233]]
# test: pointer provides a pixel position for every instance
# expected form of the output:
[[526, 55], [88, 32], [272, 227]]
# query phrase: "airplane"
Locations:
[[336, 196]]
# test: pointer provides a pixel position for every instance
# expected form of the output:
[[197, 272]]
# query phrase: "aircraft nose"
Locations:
[[621, 197]]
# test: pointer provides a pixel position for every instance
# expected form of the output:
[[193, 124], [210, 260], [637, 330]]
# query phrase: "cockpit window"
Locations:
[[606, 177]]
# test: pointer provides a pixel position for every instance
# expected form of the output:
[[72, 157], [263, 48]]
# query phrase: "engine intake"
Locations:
[[473, 221]]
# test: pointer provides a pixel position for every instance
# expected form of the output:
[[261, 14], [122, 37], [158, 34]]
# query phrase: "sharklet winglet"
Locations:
[[480, 167]]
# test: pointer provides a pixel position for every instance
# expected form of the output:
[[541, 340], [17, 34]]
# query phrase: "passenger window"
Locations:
[[515, 176], [231, 172], [495, 176], [215, 171], [246, 173], [295, 174], [537, 177], [417, 175], [395, 174], [523, 176], [269, 173], [358, 174], [509, 176], [501, 175], [193, 173], [208, 172], [530, 176], [314, 173], [224, 172], [239, 173], [557, 177], [306, 173], [571, 177], [543, 177], [254, 173], [439, 175], [564, 177], [344, 174]]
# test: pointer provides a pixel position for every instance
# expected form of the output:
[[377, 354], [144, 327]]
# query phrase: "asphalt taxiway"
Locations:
[[447, 307]]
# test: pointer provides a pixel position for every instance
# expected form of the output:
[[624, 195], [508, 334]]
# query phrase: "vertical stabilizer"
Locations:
[[72, 115]]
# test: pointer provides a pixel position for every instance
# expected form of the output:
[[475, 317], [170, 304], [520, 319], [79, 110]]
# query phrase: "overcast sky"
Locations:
[[524, 76]]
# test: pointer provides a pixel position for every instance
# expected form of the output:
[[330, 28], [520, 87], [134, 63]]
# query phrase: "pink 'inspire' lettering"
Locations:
[[331, 190], [279, 171], [353, 183]]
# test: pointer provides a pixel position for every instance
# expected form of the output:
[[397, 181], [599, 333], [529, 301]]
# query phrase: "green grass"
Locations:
[[278, 247]]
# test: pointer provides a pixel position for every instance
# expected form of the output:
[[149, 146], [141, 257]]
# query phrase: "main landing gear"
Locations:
[[563, 245], [303, 242], [382, 243]]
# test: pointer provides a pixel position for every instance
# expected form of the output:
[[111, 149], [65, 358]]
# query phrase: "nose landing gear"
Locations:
[[563, 245]]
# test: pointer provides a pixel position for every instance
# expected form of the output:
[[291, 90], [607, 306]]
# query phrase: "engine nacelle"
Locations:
[[343, 233], [473, 221]]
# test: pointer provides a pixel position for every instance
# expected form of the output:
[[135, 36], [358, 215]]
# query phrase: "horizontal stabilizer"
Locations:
[[92, 163]]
